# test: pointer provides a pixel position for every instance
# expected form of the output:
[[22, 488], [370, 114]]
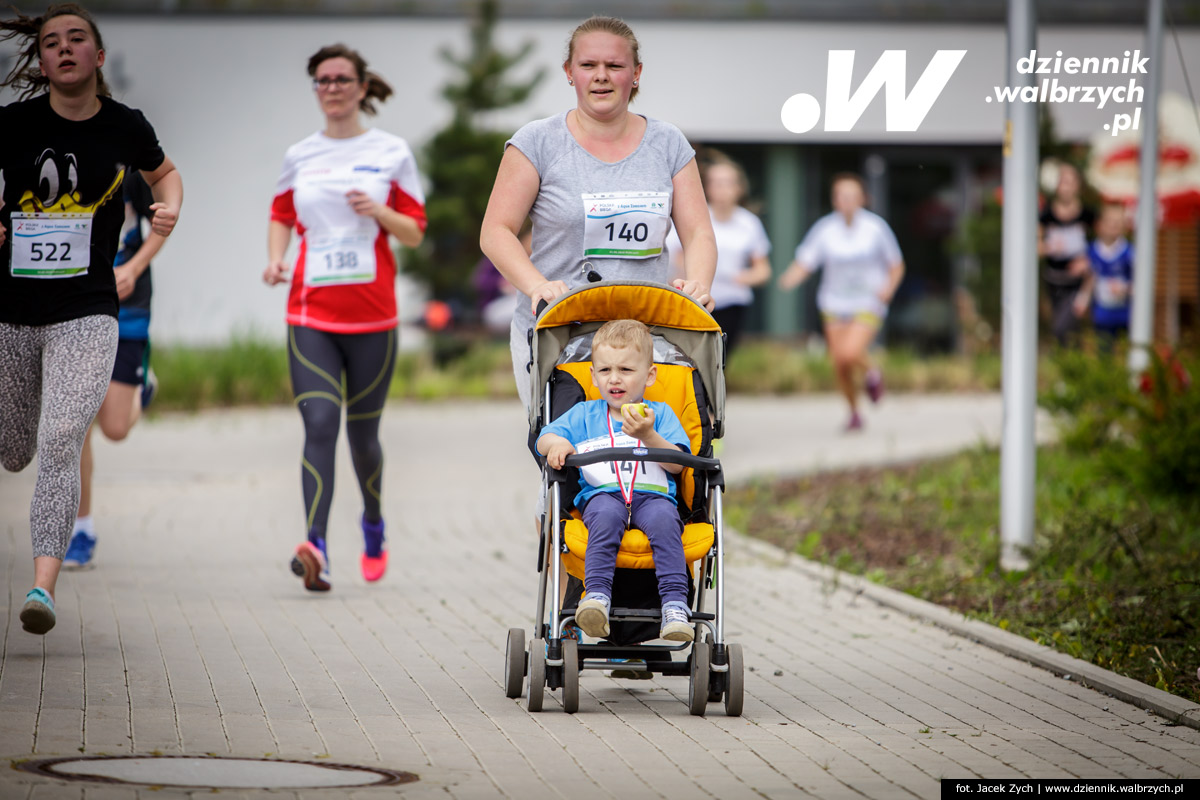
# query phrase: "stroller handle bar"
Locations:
[[659, 454]]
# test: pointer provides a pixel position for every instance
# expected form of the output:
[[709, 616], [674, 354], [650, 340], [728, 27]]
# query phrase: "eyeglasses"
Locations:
[[341, 81]]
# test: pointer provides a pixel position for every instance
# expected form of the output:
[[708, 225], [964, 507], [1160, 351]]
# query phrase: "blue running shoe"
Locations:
[[37, 615], [149, 388], [80, 551]]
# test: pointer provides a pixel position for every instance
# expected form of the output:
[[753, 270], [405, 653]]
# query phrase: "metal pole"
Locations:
[[1018, 466], [1141, 323]]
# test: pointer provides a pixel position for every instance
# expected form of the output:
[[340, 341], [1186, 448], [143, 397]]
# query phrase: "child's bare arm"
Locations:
[[555, 448]]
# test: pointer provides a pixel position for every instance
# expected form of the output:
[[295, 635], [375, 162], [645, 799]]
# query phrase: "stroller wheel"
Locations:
[[716, 684], [735, 682], [514, 662], [570, 667], [537, 675], [698, 679]]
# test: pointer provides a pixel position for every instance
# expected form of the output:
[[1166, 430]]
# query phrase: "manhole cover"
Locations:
[[213, 772]]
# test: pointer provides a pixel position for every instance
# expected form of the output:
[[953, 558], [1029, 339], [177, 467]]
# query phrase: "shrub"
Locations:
[[1144, 431]]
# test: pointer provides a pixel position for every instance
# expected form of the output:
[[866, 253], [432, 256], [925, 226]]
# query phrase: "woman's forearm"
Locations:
[[278, 236], [406, 229]]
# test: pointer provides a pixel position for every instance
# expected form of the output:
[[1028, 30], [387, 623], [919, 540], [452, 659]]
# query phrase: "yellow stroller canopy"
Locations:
[[666, 311]]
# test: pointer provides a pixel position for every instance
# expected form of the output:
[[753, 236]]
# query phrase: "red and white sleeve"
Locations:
[[406, 195], [283, 208]]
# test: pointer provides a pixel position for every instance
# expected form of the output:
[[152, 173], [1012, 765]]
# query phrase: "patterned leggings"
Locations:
[[329, 371], [53, 379]]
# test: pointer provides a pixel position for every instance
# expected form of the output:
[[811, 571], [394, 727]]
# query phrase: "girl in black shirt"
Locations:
[[65, 149]]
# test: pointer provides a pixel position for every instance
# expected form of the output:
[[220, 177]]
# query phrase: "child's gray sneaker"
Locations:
[[676, 623], [592, 614]]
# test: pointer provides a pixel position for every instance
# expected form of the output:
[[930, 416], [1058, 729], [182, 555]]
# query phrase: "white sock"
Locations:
[[85, 524]]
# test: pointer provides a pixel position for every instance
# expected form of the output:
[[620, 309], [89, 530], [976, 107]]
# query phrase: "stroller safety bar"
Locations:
[[662, 455]]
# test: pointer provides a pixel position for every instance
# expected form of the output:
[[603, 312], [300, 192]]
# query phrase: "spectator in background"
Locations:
[[1108, 283], [1064, 227], [495, 296]]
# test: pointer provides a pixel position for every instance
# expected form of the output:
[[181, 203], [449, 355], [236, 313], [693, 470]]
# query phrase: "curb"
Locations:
[[1173, 709]]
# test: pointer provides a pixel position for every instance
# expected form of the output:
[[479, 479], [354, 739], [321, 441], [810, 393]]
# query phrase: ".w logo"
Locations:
[[801, 112]]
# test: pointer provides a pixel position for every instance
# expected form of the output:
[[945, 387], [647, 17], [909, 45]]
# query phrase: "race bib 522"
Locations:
[[50, 245]]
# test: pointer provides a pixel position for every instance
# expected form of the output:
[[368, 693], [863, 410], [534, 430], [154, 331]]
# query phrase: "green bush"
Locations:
[[252, 371], [480, 369], [1112, 577], [775, 367], [247, 371], [1144, 431]]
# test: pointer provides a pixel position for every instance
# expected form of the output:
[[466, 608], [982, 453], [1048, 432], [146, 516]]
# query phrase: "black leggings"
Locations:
[[329, 370]]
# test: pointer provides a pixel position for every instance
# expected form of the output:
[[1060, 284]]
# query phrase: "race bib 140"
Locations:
[[626, 224]]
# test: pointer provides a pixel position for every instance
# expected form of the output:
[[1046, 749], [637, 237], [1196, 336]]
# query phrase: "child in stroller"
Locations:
[[615, 496], [689, 385]]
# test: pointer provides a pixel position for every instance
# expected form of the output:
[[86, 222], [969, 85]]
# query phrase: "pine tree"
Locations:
[[461, 160]]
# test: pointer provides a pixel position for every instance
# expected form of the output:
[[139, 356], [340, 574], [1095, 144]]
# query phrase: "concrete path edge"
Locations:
[[1172, 708]]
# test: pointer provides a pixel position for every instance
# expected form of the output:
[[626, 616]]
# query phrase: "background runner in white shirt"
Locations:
[[863, 268], [742, 247]]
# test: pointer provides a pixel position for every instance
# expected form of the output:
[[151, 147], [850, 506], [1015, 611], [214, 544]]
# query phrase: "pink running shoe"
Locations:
[[855, 423], [874, 384], [310, 564], [373, 568], [375, 556]]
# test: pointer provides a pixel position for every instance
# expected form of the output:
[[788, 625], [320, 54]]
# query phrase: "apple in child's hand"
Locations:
[[637, 409]]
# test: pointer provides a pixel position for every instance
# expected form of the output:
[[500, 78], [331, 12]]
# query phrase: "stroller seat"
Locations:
[[635, 550], [680, 388]]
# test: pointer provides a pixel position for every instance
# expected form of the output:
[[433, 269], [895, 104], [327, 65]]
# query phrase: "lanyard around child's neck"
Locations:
[[626, 495]]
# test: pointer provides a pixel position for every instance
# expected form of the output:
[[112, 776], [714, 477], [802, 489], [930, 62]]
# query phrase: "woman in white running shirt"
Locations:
[[742, 247], [863, 268], [345, 189]]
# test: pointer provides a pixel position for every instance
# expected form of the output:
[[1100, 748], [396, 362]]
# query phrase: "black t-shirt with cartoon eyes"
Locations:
[[63, 181]]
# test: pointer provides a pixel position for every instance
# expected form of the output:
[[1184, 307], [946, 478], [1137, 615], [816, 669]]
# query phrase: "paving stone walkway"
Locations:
[[191, 636]]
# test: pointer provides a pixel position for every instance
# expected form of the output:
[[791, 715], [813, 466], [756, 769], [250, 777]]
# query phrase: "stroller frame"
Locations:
[[551, 660]]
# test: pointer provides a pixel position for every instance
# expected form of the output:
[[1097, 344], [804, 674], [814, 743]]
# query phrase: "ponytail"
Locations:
[[377, 89]]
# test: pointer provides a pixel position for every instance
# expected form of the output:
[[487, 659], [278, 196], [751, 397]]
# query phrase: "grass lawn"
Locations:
[[1115, 579], [254, 371]]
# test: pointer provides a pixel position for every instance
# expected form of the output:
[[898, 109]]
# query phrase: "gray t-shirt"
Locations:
[[613, 232]]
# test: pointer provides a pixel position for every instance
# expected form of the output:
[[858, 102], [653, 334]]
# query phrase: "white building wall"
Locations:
[[227, 95]]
